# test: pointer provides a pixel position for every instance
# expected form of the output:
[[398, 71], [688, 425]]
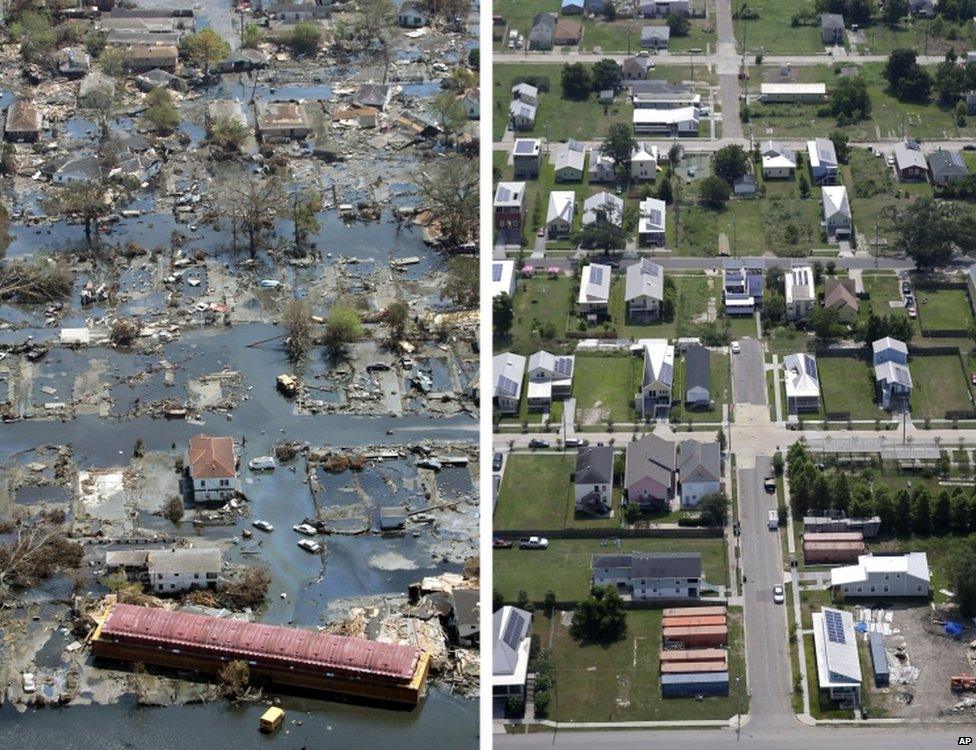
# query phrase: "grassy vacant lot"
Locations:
[[565, 566], [882, 288], [938, 385], [533, 492], [620, 681], [847, 385], [772, 32], [604, 387], [785, 340], [881, 39], [944, 309], [518, 14], [557, 118], [937, 549], [693, 293], [539, 301], [721, 390], [613, 37]]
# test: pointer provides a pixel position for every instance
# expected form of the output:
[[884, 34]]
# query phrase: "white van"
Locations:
[[773, 520]]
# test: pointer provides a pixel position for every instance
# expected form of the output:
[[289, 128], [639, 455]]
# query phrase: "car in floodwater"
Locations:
[[262, 526], [310, 546], [305, 528]]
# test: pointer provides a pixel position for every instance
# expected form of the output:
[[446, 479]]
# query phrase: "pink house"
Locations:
[[649, 473]]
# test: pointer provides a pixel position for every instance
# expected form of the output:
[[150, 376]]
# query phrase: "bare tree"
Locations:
[[298, 321], [450, 191], [35, 553], [82, 200], [252, 204]]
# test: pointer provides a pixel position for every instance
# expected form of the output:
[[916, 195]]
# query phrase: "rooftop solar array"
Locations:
[[835, 626], [563, 366], [649, 267], [655, 216], [523, 146], [507, 386], [596, 275], [513, 629], [810, 365], [902, 375], [496, 272]]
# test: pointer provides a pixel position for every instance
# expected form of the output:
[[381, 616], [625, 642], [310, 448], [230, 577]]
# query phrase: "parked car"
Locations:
[[310, 546], [263, 526], [778, 595], [912, 312], [972, 378], [304, 528], [906, 287], [496, 462], [576, 442], [736, 347], [533, 542], [28, 680], [769, 484], [499, 543], [538, 443]]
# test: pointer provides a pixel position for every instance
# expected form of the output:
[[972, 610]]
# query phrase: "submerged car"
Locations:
[[304, 528], [263, 526], [309, 546]]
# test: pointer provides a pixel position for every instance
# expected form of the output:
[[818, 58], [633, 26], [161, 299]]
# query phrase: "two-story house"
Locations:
[[593, 480], [212, 468], [644, 577]]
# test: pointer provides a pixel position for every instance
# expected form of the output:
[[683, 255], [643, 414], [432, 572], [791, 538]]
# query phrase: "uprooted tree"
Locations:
[[298, 323], [36, 553], [234, 677], [247, 589], [252, 204], [35, 281]]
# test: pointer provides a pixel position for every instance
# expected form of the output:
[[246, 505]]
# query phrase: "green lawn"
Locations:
[[938, 385], [533, 492], [565, 566], [785, 340], [620, 681], [882, 288], [772, 32], [721, 390], [821, 707], [613, 37], [604, 387], [944, 309], [847, 385], [518, 14], [557, 118], [539, 302], [881, 39]]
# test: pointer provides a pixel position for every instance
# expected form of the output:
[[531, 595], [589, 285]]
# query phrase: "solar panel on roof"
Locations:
[[513, 629], [655, 216], [810, 366], [524, 147], [596, 275], [507, 386], [835, 626], [503, 193], [649, 267], [496, 271], [563, 365]]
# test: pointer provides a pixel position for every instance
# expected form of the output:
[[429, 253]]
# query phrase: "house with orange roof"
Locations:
[[212, 466]]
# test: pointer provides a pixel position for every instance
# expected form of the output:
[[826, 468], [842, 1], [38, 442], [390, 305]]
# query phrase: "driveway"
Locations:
[[749, 374]]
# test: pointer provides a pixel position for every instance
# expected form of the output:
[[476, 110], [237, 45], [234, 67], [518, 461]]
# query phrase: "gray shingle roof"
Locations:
[[594, 465], [656, 565], [699, 462]]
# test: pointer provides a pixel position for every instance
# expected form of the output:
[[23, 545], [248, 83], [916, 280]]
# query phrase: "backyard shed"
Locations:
[[710, 635], [706, 683], [879, 659]]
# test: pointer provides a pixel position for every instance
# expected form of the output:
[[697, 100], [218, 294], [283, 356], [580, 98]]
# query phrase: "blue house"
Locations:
[[889, 350], [893, 380]]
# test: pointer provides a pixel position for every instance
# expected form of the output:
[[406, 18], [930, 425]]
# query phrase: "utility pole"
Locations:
[[629, 29]]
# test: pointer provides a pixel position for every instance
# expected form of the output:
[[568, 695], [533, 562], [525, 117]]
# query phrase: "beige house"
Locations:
[[140, 58], [839, 295], [282, 121]]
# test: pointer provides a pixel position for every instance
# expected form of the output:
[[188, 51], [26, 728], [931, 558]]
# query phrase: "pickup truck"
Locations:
[[533, 542]]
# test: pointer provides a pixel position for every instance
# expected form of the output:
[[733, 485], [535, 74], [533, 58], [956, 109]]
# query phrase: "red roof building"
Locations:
[[212, 464], [288, 656]]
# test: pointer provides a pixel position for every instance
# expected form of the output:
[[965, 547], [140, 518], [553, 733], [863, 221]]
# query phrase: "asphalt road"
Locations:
[[797, 737], [748, 374], [767, 653]]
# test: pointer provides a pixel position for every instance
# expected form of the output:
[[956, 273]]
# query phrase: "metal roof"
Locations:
[[644, 279], [653, 565], [273, 645]]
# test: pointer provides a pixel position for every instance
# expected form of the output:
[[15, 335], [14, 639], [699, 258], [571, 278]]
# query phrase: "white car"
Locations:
[[28, 679], [778, 596], [309, 546], [263, 526], [736, 347], [304, 528], [533, 542]]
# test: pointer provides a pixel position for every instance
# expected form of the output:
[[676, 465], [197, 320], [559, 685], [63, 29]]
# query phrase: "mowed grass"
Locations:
[[938, 385], [518, 14], [721, 390], [944, 309], [847, 385], [604, 387], [540, 301], [620, 681], [772, 32], [533, 492], [557, 119], [613, 37], [882, 289], [564, 568]]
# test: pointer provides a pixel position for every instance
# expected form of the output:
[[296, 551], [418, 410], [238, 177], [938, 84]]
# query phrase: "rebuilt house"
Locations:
[[543, 31], [663, 95], [594, 292], [525, 92], [778, 161], [832, 28], [502, 278], [893, 379], [651, 228], [643, 577], [654, 399], [559, 215], [743, 284], [23, 122], [823, 161], [839, 295], [802, 383], [569, 161], [804, 93], [947, 166], [212, 468], [643, 161], [509, 206], [837, 219], [522, 115], [603, 206], [507, 371], [525, 158], [644, 291], [282, 121], [593, 480], [602, 168], [412, 15], [910, 161], [682, 121], [838, 665], [801, 293], [971, 286], [655, 37], [550, 377], [698, 378], [883, 575], [636, 68], [699, 467], [567, 33], [649, 473], [512, 629]]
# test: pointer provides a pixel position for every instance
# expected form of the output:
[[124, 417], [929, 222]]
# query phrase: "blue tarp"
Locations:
[[861, 627], [955, 629]]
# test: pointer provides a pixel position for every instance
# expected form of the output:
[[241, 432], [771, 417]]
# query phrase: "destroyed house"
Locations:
[[23, 122], [282, 121], [376, 95], [139, 58]]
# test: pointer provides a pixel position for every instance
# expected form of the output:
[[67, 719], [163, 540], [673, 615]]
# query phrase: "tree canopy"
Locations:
[[600, 617]]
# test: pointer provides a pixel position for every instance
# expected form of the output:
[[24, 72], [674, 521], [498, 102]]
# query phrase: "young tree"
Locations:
[[450, 191], [714, 191], [921, 511], [679, 25], [205, 48], [606, 74], [502, 314], [600, 617], [713, 509], [343, 327], [841, 146], [826, 324], [306, 38], [962, 564], [941, 506], [397, 316], [619, 145], [850, 101], [575, 81]]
